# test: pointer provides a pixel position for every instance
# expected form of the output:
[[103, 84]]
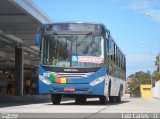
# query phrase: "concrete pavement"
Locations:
[[90, 109], [128, 105]]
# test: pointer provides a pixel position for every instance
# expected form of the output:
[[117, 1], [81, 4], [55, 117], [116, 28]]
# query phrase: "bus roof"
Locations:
[[93, 23]]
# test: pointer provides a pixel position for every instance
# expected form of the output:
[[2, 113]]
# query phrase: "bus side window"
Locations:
[[119, 56], [123, 63], [114, 53], [112, 50], [108, 48], [116, 56]]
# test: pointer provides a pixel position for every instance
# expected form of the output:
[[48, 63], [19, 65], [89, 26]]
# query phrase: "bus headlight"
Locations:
[[97, 81], [44, 79]]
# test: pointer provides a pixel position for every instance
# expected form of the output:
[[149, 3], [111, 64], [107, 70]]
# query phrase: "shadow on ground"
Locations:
[[9, 101], [90, 103]]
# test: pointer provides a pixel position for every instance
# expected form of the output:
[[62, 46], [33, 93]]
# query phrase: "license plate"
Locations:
[[69, 89]]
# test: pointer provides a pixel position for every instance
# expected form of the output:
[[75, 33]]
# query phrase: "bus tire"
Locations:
[[103, 99], [112, 99], [118, 98], [80, 100], [56, 98]]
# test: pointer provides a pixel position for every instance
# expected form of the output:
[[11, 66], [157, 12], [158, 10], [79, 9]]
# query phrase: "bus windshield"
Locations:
[[72, 50]]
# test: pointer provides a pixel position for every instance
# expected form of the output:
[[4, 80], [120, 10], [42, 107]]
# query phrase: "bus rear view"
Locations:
[[73, 61]]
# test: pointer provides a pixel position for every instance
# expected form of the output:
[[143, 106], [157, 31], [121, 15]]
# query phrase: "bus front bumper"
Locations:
[[71, 89]]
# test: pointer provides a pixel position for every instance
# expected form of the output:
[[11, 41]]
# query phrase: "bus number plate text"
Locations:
[[69, 89]]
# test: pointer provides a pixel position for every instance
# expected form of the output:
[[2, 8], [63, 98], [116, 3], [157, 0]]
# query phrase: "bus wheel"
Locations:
[[80, 100], [118, 98], [56, 98], [103, 100], [112, 99]]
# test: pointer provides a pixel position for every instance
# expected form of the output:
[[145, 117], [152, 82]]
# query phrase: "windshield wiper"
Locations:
[[88, 34], [50, 33]]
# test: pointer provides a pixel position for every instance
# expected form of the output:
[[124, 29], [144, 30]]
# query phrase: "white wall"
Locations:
[[156, 90]]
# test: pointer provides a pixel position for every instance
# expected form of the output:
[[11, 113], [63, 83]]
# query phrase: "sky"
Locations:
[[134, 25]]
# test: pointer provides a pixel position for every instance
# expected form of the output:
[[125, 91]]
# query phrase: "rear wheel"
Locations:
[[80, 100], [118, 98], [112, 99], [56, 98], [103, 100]]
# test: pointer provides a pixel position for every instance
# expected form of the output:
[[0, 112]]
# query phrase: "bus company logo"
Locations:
[[74, 70]]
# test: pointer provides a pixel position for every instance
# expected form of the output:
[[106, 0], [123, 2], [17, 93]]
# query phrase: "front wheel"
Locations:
[[56, 98]]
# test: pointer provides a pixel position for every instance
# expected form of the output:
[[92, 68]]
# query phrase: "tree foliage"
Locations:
[[137, 79], [157, 62], [156, 74], [144, 78]]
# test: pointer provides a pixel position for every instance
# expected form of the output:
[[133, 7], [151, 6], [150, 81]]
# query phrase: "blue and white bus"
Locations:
[[80, 60]]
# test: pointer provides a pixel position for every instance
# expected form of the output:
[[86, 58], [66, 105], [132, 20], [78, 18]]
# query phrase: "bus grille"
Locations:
[[72, 75]]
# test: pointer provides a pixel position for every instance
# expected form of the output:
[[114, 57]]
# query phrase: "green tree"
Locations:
[[156, 75], [157, 62], [137, 79]]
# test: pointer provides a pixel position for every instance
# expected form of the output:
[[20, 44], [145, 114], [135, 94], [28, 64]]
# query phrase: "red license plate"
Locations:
[[69, 89]]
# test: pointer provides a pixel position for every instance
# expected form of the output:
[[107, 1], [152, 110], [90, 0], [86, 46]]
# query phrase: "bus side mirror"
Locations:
[[37, 39]]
